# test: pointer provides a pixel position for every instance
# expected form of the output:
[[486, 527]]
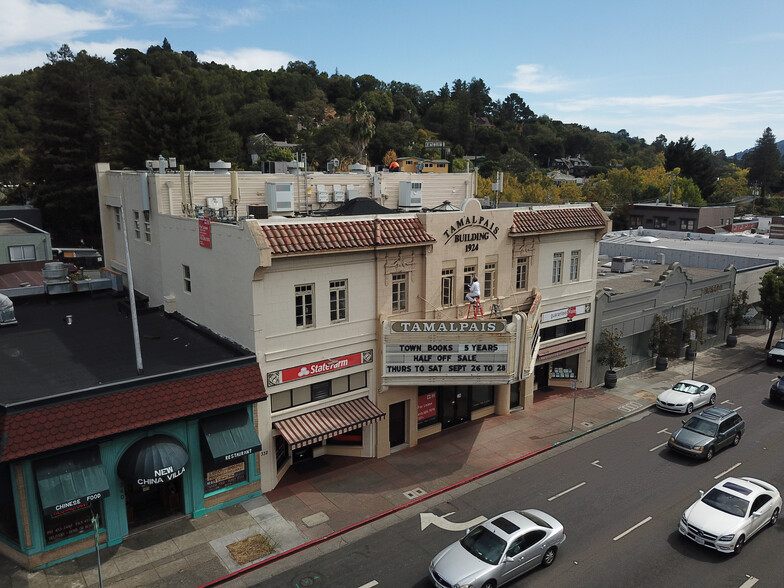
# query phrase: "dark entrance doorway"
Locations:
[[147, 504], [542, 376], [397, 424], [454, 405]]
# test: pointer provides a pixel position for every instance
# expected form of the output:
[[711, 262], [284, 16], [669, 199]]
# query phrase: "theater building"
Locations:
[[343, 309]]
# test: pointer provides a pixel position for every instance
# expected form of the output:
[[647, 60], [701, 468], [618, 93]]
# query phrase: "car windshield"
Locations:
[[725, 502], [701, 426], [483, 544], [684, 387], [779, 345]]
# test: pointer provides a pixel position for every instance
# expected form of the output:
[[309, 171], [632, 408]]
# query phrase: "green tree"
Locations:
[[772, 299], [610, 353], [765, 163], [362, 127], [693, 163]]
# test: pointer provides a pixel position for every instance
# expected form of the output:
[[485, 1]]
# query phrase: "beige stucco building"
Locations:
[[359, 322]]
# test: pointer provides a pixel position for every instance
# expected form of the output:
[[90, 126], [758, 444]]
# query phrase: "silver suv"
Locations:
[[707, 432]]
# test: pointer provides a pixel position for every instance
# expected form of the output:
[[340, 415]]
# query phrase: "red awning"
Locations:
[[324, 423], [562, 349]]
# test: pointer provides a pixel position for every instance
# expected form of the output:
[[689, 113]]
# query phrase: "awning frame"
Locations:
[[70, 481], [230, 435]]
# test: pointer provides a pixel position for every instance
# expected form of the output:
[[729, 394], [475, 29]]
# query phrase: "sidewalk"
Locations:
[[339, 495]]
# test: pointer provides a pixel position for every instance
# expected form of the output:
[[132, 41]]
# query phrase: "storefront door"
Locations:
[[454, 405], [146, 504], [397, 424]]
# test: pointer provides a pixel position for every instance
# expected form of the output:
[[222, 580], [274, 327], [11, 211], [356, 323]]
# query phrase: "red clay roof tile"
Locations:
[[556, 219]]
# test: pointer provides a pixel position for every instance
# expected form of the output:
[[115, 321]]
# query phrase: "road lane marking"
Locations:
[[750, 582], [369, 584], [727, 402], [428, 518], [662, 431], [725, 472], [596, 463], [658, 447], [640, 524], [630, 406], [566, 491]]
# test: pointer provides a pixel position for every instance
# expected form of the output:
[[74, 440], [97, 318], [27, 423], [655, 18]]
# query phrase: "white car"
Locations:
[[731, 512], [776, 354], [686, 395]]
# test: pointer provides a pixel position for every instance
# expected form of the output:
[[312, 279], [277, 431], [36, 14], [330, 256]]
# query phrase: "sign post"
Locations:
[[97, 550], [692, 339], [573, 384]]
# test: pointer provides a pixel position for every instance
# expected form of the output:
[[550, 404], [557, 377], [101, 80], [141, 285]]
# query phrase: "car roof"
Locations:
[[507, 524], [715, 413], [742, 487]]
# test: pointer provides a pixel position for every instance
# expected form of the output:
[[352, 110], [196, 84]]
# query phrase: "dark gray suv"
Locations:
[[707, 432]]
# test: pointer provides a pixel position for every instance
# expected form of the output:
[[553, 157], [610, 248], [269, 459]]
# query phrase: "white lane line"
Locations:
[[566, 491], [727, 402], [640, 524], [662, 431], [725, 472], [750, 582], [657, 447], [369, 584], [596, 463]]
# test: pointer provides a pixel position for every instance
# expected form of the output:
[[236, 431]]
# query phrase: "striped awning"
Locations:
[[556, 351], [324, 423]]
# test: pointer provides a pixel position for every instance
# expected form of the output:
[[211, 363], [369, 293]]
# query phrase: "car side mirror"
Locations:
[[683, 421], [702, 493], [508, 559], [756, 514]]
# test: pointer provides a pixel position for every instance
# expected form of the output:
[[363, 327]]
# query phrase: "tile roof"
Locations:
[[292, 238], [543, 220], [44, 428]]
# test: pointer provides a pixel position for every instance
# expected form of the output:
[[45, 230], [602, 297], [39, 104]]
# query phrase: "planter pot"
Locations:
[[691, 354], [732, 340], [610, 379], [661, 362]]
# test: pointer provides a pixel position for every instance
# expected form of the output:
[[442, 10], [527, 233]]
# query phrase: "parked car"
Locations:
[[707, 432], [730, 513], [686, 395], [777, 390], [499, 550], [776, 354]]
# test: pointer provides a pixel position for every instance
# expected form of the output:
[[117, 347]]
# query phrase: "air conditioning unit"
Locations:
[[258, 210], [322, 196], [410, 195], [279, 196], [338, 194], [352, 191]]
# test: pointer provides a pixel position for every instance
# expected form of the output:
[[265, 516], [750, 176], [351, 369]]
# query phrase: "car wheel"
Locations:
[[488, 584], [549, 557], [736, 439], [773, 518], [739, 545], [709, 454], [689, 408], [713, 399]]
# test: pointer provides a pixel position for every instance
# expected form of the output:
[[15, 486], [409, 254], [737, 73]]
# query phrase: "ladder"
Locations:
[[477, 307]]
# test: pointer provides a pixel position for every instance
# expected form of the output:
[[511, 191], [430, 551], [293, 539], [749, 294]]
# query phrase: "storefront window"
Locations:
[[8, 527], [712, 323], [318, 391], [427, 407], [482, 396], [562, 330], [281, 451], [223, 475], [565, 368], [62, 525]]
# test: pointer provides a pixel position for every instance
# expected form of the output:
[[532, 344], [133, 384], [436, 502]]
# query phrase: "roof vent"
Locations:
[[7, 316], [648, 280], [607, 289]]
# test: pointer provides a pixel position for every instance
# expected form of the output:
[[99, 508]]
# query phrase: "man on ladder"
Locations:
[[472, 296]]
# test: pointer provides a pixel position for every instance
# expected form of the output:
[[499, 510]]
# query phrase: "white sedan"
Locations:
[[686, 395], [731, 512]]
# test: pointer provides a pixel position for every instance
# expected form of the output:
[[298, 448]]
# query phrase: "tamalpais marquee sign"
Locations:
[[432, 351]]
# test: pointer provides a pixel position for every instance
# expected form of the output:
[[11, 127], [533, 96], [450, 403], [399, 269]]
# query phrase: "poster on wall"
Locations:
[[205, 233]]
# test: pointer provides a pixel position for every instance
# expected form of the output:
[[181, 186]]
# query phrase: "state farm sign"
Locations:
[[320, 367]]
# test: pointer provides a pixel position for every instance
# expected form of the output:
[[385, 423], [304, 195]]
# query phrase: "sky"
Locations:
[[710, 70]]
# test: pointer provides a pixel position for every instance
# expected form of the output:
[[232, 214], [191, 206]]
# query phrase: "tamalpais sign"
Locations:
[[473, 326]]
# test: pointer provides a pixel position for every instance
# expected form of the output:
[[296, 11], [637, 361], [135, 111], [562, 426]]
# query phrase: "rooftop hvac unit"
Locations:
[[322, 196], [352, 191], [258, 210], [338, 194], [279, 196], [410, 195], [622, 264]]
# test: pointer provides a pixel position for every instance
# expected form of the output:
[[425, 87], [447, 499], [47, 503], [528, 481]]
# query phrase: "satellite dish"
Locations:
[[336, 162]]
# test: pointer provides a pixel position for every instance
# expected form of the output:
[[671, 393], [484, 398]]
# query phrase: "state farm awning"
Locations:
[[71, 481], [324, 423], [556, 351]]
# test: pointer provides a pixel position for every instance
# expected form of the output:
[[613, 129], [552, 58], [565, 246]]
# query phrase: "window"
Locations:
[[318, 391], [337, 300], [117, 218], [399, 282], [574, 266], [186, 278], [469, 272], [557, 267], [521, 273], [562, 330], [136, 226], [147, 232], [687, 224], [447, 287], [490, 273], [660, 222], [21, 253], [303, 305], [635, 221]]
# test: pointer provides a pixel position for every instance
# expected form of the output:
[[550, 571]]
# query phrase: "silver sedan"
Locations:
[[499, 550]]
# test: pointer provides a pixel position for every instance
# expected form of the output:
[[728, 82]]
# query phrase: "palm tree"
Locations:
[[362, 127]]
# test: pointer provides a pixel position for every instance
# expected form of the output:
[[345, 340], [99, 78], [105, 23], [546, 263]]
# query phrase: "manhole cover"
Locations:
[[307, 580]]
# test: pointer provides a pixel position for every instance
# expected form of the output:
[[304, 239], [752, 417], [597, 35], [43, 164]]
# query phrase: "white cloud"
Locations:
[[249, 58], [26, 21], [532, 78]]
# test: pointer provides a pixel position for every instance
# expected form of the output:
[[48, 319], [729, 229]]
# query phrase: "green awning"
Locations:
[[230, 435], [70, 481]]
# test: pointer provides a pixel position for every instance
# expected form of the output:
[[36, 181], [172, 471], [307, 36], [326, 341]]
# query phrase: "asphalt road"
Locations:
[[619, 494]]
